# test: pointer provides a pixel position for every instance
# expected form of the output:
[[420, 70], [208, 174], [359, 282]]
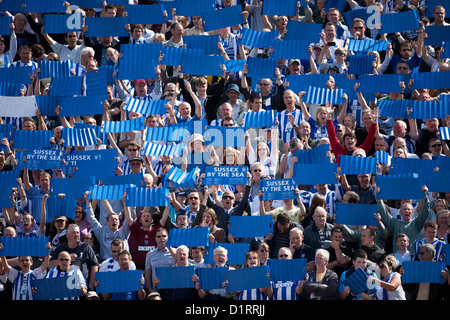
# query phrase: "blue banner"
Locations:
[[72, 187], [66, 86], [212, 278], [313, 156], [79, 136], [106, 27], [229, 175], [357, 282], [5, 21], [60, 206], [382, 157], [110, 192], [290, 49], [361, 64], [287, 269], [260, 119], [32, 139], [145, 14], [50, 68], [311, 174], [259, 68], [278, 189], [124, 126], [436, 35], [298, 30], [99, 163], [258, 39], [180, 178], [357, 165], [437, 181], [400, 21], [143, 197], [282, 8], [191, 237], [422, 272], [146, 106], [42, 159], [60, 23], [367, 45], [201, 65], [41, 6], [225, 17], [236, 252], [402, 186], [118, 281], [155, 149], [317, 95], [208, 43], [55, 288], [193, 7], [356, 214], [250, 226], [136, 69], [24, 246], [247, 278], [175, 277]]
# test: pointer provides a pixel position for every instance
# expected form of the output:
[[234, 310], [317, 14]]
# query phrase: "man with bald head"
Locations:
[[65, 268], [399, 130]]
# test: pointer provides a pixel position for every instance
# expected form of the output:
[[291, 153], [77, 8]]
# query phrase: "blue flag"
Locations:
[[247, 278], [278, 189], [191, 237], [118, 281], [287, 270], [175, 277], [219, 175], [250, 226], [55, 288], [356, 214]]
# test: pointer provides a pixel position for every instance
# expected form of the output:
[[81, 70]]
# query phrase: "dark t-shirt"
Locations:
[[85, 260]]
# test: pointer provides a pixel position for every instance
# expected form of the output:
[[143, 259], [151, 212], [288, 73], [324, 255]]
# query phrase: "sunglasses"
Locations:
[[193, 198], [227, 197], [436, 145], [283, 256], [133, 149]]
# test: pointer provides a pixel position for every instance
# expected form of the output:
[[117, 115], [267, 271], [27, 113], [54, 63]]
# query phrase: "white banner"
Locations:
[[18, 106]]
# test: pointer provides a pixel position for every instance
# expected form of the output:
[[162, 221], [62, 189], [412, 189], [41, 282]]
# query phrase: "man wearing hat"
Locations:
[[232, 92], [295, 67], [60, 223], [140, 89], [136, 165], [198, 155]]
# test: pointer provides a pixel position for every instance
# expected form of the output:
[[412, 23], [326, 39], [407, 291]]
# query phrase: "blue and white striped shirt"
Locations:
[[285, 128], [284, 290], [56, 272], [22, 282]]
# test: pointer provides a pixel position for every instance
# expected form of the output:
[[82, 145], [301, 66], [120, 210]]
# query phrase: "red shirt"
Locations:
[[143, 242], [338, 149]]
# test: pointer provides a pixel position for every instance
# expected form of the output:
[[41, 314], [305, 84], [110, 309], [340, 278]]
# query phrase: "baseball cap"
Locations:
[[294, 60], [232, 87], [197, 136], [138, 82], [137, 159]]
